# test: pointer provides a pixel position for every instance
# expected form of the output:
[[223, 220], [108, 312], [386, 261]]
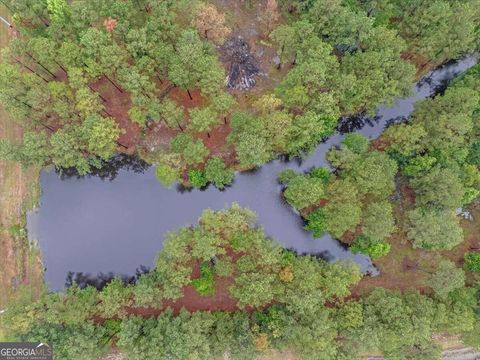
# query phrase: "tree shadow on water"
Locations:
[[99, 281], [348, 124], [109, 169]]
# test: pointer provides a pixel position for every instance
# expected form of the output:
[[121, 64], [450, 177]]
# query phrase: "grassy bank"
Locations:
[[19, 262]]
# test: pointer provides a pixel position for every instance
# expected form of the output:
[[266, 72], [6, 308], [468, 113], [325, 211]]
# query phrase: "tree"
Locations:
[[404, 139], [316, 222], [202, 119], [343, 209], [101, 135], [197, 178], [423, 30], [292, 38], [419, 165], [373, 247], [373, 174], [377, 72], [59, 11], [166, 174], [193, 151], [307, 86], [303, 191], [85, 340], [254, 288], [115, 297], [472, 261], [252, 150], [217, 173], [447, 119], [193, 64], [377, 220], [356, 142], [211, 24], [439, 188], [446, 278], [433, 229], [35, 149], [307, 131], [67, 150], [101, 55], [394, 323], [171, 113]]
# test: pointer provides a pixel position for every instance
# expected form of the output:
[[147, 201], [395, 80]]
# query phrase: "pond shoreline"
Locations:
[[89, 226]]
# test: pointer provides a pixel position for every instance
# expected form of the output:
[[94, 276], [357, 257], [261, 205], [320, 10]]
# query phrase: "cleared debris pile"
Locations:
[[242, 65]]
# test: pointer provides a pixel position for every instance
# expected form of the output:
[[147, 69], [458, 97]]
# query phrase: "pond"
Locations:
[[92, 227]]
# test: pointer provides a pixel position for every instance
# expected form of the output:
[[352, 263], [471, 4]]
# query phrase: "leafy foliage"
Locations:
[[370, 246]]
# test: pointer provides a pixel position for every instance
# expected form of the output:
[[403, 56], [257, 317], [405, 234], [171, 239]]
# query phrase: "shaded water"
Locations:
[[91, 226]]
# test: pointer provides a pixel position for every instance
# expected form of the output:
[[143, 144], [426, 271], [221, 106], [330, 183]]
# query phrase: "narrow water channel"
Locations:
[[92, 226]]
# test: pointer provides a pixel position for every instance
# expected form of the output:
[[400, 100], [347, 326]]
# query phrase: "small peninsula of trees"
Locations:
[[355, 201]]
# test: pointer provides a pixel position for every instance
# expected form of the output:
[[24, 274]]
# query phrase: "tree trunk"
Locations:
[[48, 127], [189, 95], [25, 66], [120, 144], [96, 92], [208, 135], [23, 102], [61, 67], [106, 112], [116, 86], [39, 63], [225, 120], [180, 127]]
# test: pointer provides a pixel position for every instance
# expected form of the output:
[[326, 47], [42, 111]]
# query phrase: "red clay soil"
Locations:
[[193, 301], [182, 99]]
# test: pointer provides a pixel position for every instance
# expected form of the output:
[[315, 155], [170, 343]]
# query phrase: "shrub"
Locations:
[[197, 178], [323, 174], [370, 246], [472, 261], [316, 222], [205, 285], [223, 268], [285, 176], [218, 174], [166, 175]]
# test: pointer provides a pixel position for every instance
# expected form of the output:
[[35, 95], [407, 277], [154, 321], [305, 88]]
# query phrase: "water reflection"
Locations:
[[348, 124], [99, 281], [109, 169]]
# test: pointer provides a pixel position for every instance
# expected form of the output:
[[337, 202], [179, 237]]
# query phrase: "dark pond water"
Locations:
[[93, 226]]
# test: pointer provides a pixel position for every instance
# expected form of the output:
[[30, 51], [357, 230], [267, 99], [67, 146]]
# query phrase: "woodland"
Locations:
[[204, 89]]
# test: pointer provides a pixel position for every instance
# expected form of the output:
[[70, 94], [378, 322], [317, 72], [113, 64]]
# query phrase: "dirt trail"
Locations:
[[18, 188]]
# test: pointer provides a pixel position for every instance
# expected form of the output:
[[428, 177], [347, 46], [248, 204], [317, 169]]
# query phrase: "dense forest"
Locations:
[[278, 300], [184, 86], [86, 79], [436, 154]]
